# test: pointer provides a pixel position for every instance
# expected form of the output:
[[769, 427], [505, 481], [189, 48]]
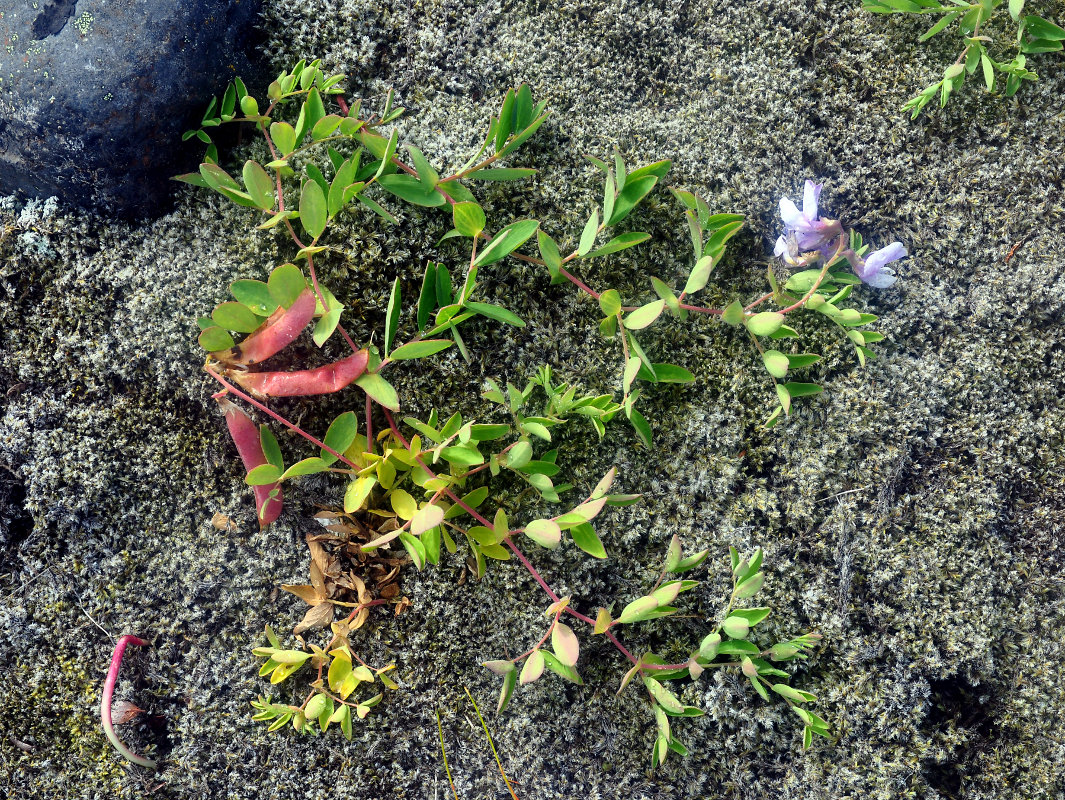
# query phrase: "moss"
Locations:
[[912, 514]]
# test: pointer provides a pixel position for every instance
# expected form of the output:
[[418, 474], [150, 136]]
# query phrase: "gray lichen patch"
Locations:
[[912, 514]]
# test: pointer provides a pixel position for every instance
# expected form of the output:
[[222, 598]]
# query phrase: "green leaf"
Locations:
[[802, 389], [357, 491], [313, 110], [591, 229], [313, 211], [505, 122], [585, 537], [486, 433], [259, 184], [639, 424], [271, 449], [342, 432], [325, 127], [670, 373], [551, 256], [802, 360], [784, 397], [379, 390], [427, 517], [236, 317], [427, 299], [1041, 46], [462, 455], [520, 138], [255, 295], [716, 242], [392, 316], [544, 532], [387, 154], [327, 323], [284, 137], [498, 313], [750, 587], [286, 283], [510, 174], [939, 26], [519, 454], [634, 192], [215, 338], [566, 671], [644, 315], [733, 315], [428, 176], [507, 241], [415, 549], [308, 466], [218, 178], [263, 475], [700, 275], [765, 323], [638, 610], [469, 218], [622, 242], [377, 209], [409, 188], [419, 349], [658, 169], [776, 363], [610, 302], [1040, 28]]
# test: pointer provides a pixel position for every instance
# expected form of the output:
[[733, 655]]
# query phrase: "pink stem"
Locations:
[[273, 414], [109, 691]]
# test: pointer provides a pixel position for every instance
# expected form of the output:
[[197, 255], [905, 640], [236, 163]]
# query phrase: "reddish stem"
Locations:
[[274, 415], [109, 691]]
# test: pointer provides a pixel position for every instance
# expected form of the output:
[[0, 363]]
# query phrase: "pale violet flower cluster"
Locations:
[[807, 238]]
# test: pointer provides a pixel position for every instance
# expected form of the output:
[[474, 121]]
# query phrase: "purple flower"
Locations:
[[804, 232], [874, 269]]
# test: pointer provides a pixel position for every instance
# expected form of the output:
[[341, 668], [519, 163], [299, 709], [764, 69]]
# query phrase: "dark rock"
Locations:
[[94, 95]]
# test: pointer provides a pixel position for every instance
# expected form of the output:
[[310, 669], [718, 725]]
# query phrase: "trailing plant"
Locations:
[[431, 485], [107, 695], [972, 20]]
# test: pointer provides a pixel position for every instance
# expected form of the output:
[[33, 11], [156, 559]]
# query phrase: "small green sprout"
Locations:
[[1034, 35]]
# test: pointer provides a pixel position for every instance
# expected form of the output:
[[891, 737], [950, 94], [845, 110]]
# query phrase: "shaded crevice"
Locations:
[[16, 524], [53, 18], [957, 704]]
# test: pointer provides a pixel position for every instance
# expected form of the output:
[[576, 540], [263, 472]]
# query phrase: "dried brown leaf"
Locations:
[[308, 594], [360, 619], [318, 616], [223, 523], [122, 711]]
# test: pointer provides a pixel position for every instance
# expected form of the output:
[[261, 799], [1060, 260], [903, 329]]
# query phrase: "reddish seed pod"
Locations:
[[280, 330], [323, 380], [245, 435]]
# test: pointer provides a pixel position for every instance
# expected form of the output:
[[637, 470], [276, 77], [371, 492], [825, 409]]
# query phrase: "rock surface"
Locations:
[[914, 513], [95, 94]]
